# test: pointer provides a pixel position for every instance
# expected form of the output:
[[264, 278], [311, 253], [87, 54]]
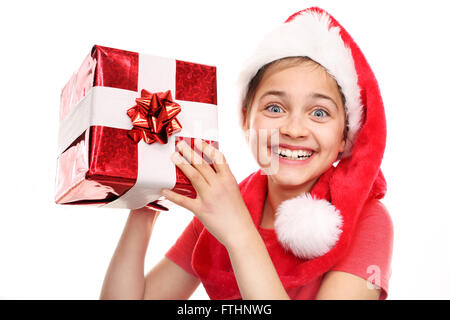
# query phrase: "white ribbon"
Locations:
[[105, 106]]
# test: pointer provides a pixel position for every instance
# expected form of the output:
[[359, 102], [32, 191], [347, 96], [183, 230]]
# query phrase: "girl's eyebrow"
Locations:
[[322, 96]]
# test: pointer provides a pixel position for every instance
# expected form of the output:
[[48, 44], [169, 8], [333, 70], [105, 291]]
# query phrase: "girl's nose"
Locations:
[[295, 127]]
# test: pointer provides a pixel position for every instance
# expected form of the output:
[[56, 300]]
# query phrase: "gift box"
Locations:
[[121, 115]]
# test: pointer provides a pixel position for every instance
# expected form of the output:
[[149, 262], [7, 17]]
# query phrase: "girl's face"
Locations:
[[303, 104]]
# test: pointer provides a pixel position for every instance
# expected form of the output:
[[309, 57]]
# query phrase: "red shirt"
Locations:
[[369, 255]]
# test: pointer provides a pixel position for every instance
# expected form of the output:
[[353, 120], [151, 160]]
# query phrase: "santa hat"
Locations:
[[309, 226]]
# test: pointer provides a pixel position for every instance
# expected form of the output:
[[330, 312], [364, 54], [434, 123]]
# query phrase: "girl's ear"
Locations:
[[342, 146], [341, 150]]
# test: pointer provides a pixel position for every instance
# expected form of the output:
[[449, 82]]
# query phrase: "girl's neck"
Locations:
[[277, 194]]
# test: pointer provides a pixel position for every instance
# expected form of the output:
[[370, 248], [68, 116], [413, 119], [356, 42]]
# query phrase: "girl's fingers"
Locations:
[[197, 161], [217, 158], [185, 202], [197, 180]]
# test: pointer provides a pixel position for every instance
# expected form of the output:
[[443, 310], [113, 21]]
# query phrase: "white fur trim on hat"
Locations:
[[306, 226], [309, 34]]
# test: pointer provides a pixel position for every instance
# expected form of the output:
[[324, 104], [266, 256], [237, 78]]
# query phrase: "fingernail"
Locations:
[[177, 158]]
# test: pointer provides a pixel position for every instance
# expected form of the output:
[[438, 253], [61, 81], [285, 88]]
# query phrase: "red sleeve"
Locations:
[[181, 251], [370, 252]]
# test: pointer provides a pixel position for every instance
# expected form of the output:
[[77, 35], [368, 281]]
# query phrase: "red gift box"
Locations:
[[105, 157]]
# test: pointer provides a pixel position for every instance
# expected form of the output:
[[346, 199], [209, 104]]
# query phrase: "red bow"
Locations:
[[153, 117]]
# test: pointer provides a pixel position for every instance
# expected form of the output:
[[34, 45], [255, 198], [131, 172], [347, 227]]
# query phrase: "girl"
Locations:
[[300, 227]]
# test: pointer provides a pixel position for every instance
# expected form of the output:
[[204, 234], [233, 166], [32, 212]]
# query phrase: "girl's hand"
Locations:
[[219, 204]]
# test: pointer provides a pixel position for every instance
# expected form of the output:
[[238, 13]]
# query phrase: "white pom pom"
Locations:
[[306, 226]]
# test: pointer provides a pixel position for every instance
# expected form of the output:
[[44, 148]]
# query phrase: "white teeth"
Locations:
[[294, 155], [288, 153]]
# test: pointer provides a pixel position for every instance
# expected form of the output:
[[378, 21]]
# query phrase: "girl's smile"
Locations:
[[292, 155]]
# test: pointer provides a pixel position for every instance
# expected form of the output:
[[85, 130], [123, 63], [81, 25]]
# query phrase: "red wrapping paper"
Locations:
[[101, 164]]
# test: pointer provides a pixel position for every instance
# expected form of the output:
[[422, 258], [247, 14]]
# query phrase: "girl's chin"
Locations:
[[286, 178]]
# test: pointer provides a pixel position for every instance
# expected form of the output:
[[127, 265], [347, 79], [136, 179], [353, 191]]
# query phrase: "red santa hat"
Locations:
[[308, 226]]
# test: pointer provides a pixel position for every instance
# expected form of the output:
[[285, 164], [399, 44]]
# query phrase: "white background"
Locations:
[[48, 251]]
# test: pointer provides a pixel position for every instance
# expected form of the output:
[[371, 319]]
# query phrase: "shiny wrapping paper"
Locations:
[[102, 163]]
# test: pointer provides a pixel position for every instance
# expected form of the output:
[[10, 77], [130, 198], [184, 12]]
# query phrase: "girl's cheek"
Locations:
[[330, 139]]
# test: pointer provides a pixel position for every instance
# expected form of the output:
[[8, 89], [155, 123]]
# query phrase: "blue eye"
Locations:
[[320, 113], [274, 108]]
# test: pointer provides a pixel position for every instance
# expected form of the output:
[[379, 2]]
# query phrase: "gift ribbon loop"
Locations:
[[154, 117]]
